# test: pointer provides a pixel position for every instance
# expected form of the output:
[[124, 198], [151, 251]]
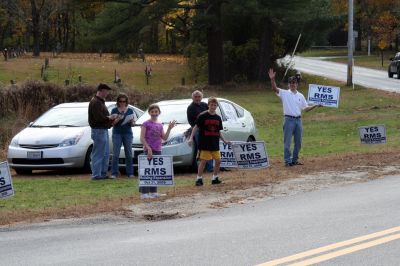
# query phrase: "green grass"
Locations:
[[324, 52], [41, 193], [168, 71], [373, 61]]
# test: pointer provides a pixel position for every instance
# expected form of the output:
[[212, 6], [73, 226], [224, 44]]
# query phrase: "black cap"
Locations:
[[103, 86]]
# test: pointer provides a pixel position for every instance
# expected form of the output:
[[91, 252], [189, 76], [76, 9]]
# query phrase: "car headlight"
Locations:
[[175, 140], [71, 141], [14, 142]]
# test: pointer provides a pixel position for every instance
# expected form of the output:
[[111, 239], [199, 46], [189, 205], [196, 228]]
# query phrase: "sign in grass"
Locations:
[[228, 159], [156, 172], [375, 134], [323, 95], [251, 155], [6, 187]]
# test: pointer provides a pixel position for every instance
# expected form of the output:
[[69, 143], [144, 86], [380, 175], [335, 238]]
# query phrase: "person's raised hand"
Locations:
[[271, 74]]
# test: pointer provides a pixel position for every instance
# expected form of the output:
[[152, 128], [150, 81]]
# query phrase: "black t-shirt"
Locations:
[[209, 126], [193, 111]]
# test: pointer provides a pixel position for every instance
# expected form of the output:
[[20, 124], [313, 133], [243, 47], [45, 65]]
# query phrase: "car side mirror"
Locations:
[[30, 123]]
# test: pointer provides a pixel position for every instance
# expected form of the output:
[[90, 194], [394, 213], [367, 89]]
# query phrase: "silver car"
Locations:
[[238, 125], [60, 138]]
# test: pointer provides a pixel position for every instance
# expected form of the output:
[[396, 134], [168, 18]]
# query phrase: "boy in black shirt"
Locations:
[[209, 123]]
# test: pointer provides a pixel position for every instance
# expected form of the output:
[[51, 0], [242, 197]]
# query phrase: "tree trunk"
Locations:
[[265, 50], [35, 28], [215, 48]]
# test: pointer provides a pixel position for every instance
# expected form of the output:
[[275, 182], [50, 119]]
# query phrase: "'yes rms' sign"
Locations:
[[375, 134], [323, 95]]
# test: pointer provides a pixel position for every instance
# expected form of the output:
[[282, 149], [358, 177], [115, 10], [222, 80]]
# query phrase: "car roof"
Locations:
[[184, 101], [79, 104]]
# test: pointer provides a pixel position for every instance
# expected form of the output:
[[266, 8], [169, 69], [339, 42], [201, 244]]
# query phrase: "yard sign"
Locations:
[[251, 155], [372, 134], [156, 172], [6, 187]]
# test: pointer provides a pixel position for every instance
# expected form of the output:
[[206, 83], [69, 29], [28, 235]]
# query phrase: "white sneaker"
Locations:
[[146, 196], [157, 195], [113, 177]]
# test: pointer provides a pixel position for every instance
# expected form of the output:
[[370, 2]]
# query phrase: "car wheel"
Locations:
[[398, 74], [390, 74], [86, 166], [251, 139], [23, 171]]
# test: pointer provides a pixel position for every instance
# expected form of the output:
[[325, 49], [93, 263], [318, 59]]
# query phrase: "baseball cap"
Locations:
[[103, 86]]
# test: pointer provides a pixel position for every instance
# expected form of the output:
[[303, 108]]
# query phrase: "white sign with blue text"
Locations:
[[6, 186], [323, 95], [156, 172], [251, 155], [375, 134], [228, 159]]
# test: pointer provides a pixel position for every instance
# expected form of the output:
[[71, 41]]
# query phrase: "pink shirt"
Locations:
[[153, 134]]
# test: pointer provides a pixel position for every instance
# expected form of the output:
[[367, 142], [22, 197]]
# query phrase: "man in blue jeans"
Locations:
[[100, 121], [293, 103]]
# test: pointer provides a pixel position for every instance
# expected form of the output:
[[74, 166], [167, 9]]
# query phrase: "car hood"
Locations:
[[46, 135], [177, 130]]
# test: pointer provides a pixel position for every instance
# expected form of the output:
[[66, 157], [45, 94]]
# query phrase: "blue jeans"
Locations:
[[100, 152], [209, 164], [118, 140], [145, 190], [292, 127]]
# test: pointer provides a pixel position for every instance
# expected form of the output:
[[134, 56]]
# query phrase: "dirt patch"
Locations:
[[239, 187]]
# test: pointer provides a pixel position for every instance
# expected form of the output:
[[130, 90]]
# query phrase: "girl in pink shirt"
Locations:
[[151, 135]]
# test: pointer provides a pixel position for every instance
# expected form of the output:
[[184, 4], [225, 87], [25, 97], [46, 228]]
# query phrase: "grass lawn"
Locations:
[[327, 132], [168, 71]]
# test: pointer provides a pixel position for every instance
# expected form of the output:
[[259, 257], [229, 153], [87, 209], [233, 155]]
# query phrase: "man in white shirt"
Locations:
[[293, 103]]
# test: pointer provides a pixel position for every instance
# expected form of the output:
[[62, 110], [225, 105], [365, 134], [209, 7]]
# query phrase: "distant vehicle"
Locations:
[[394, 66], [60, 138], [238, 125]]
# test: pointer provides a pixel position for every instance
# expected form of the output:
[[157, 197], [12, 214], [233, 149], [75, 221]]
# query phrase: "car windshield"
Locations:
[[168, 113], [63, 117]]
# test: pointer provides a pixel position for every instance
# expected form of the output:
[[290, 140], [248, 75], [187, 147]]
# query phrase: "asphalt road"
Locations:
[[366, 77], [247, 234]]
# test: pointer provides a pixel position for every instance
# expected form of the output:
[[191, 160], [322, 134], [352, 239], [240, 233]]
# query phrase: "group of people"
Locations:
[[205, 135]]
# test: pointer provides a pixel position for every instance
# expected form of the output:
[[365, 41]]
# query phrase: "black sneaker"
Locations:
[[297, 163], [289, 164], [199, 182], [216, 181]]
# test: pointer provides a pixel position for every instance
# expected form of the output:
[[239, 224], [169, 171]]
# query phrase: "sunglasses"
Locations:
[[122, 101]]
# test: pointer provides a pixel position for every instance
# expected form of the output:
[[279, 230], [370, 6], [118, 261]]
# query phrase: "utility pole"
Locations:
[[350, 43]]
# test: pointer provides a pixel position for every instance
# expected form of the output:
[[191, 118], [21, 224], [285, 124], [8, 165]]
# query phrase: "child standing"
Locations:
[[209, 123], [151, 135]]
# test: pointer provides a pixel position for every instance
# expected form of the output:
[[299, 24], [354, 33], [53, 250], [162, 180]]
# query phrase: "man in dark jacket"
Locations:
[[193, 111], [100, 121]]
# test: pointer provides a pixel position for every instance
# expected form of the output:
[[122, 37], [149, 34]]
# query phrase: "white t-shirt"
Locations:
[[293, 103]]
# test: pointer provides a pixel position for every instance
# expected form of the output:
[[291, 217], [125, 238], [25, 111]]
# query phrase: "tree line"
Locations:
[[226, 39]]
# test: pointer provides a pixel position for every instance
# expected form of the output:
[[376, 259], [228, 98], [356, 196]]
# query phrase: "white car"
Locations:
[[60, 138], [238, 125]]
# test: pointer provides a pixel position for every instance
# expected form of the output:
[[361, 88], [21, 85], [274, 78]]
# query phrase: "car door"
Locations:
[[233, 125]]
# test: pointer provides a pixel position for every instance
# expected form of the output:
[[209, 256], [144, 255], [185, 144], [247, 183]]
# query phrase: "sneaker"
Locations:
[[216, 181], [199, 182], [157, 195], [145, 196], [288, 164], [297, 163], [99, 177], [113, 177]]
